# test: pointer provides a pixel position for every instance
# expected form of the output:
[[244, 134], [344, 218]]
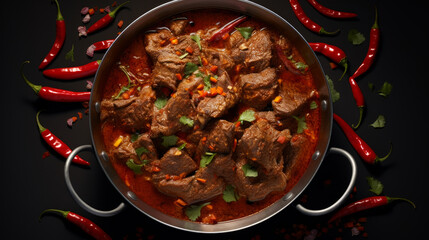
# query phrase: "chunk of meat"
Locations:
[[175, 162], [219, 57], [133, 114], [293, 97], [178, 26], [165, 70], [258, 89], [155, 43], [221, 138]]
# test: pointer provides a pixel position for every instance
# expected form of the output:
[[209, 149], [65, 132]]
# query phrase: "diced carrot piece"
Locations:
[[74, 119], [125, 95], [214, 69], [200, 87], [174, 41], [163, 42], [234, 146], [213, 80], [156, 169], [178, 53], [219, 90], [211, 147], [238, 68], [277, 99], [237, 124], [201, 180], [281, 139], [120, 23], [167, 176], [91, 11], [203, 139], [209, 207], [213, 91], [280, 81], [179, 76], [190, 50], [204, 61], [179, 202]]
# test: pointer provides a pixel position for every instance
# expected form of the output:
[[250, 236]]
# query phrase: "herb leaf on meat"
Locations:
[[196, 39], [137, 168], [194, 211], [141, 150], [169, 141], [248, 116], [190, 68], [249, 171], [186, 121], [301, 124], [246, 32], [206, 159], [229, 194], [160, 102]]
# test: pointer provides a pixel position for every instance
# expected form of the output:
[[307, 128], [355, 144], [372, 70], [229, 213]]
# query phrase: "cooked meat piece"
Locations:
[[190, 83], [267, 115], [220, 138], [258, 89], [156, 42], [133, 114], [293, 97], [219, 57], [223, 166], [124, 151], [166, 121], [144, 141], [165, 70], [178, 26], [263, 145], [175, 162]]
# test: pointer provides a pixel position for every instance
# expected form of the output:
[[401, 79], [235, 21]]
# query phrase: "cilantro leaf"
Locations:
[[137, 168], [161, 102], [196, 39], [134, 137], [385, 90], [190, 68], [375, 185], [249, 171], [206, 159], [301, 124], [194, 211], [186, 121], [169, 141], [141, 150], [335, 95], [181, 147], [355, 37], [246, 32], [207, 83], [301, 66], [70, 54], [229, 194], [380, 122], [313, 105], [248, 116]]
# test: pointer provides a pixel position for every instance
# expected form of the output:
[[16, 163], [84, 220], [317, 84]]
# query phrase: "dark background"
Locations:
[[30, 184]]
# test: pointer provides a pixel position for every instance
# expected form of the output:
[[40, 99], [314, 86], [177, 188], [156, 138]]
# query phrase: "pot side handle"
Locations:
[[76, 197], [334, 206]]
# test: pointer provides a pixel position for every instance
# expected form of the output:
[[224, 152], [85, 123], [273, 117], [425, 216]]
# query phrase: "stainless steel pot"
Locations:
[[111, 57]]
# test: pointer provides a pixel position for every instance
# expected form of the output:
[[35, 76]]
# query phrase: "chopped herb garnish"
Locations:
[[196, 39], [355, 37], [301, 66], [194, 211], [335, 95], [137, 168], [186, 121], [181, 147], [70, 54], [207, 83], [385, 90], [190, 68], [184, 55], [229, 194], [249, 171], [301, 124], [124, 88], [313, 105], [375, 185], [134, 137], [248, 116], [160, 102], [141, 150], [380, 122], [246, 32], [169, 141], [206, 159]]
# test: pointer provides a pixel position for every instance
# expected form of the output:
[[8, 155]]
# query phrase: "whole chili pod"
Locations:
[[106, 20], [58, 145], [332, 52], [286, 62], [98, 46], [227, 28], [59, 39], [361, 147], [306, 21], [374, 39], [56, 94], [366, 203], [359, 99], [70, 73], [84, 223], [330, 12]]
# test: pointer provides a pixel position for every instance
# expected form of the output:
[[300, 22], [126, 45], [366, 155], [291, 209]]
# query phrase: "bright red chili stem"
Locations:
[[56, 94], [361, 147], [330, 12], [332, 52], [374, 39], [306, 21], [56, 143], [227, 28], [70, 73], [84, 223], [366, 203], [59, 39], [106, 20]]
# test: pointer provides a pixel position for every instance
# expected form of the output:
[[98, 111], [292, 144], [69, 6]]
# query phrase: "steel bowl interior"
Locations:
[[150, 18]]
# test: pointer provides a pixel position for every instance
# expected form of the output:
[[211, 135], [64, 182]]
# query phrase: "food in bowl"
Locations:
[[207, 128]]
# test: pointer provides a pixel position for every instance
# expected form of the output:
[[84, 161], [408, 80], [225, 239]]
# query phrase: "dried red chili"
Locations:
[[106, 20], [366, 203], [286, 62], [332, 52], [362, 148], [330, 12], [56, 94], [84, 223], [227, 28], [306, 21], [69, 73], [59, 39], [58, 145]]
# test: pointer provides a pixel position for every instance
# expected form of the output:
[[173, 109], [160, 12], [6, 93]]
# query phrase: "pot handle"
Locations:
[[76, 197], [329, 209]]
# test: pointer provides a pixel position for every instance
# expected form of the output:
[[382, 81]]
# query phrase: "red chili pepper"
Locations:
[[70, 73], [227, 28], [366, 203], [362, 148], [286, 62], [59, 39], [55, 94], [58, 145], [98, 46], [304, 19], [374, 39], [359, 99], [330, 12], [106, 20], [84, 223], [332, 52]]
